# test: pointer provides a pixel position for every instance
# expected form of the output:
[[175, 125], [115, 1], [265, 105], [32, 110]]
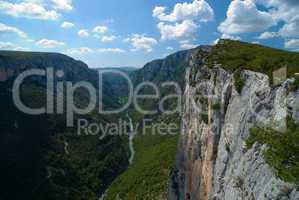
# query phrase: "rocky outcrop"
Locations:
[[212, 161]]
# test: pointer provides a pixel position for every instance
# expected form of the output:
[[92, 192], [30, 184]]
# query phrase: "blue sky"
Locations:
[[133, 32]]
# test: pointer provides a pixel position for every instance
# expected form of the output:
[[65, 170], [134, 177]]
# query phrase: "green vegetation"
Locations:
[[205, 118], [238, 81], [295, 85], [239, 182], [216, 106], [148, 176], [235, 54], [203, 100], [282, 152], [42, 158]]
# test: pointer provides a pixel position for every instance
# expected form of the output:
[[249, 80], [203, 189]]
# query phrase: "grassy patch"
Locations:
[[148, 176], [235, 54], [282, 152]]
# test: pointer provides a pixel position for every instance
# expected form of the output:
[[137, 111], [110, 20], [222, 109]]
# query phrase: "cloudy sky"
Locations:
[[133, 32]]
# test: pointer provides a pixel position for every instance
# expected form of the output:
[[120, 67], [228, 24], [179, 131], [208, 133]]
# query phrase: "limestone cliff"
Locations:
[[212, 161]]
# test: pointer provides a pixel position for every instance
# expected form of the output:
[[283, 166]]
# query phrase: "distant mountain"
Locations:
[[117, 83], [123, 69]]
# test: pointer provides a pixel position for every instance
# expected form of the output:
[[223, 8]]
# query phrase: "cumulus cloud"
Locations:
[[67, 25], [197, 10], [244, 17], [11, 46], [83, 33], [79, 51], [63, 4], [183, 20], [170, 48], [28, 9], [100, 29], [107, 39], [186, 44], [226, 36], [110, 50], [141, 42], [45, 43], [268, 35], [10, 29], [6, 45], [177, 31], [231, 37], [292, 44], [290, 29], [285, 11]]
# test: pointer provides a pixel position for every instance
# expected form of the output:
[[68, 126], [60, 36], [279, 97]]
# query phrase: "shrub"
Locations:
[[205, 118], [193, 83], [227, 147], [282, 152], [295, 85], [216, 106], [239, 182], [239, 81], [204, 100]]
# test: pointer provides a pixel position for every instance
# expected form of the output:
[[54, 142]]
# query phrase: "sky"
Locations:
[[133, 32]]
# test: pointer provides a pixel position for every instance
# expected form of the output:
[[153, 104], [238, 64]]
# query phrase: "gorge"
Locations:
[[234, 117]]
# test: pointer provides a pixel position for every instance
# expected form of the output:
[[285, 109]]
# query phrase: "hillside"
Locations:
[[146, 178], [39, 154]]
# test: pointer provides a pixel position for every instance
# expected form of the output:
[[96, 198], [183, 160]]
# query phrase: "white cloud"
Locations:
[[177, 31], [231, 37], [79, 51], [285, 11], [83, 33], [108, 38], [11, 46], [281, 10], [62, 4], [100, 29], [197, 10], [28, 9], [110, 50], [45, 43], [67, 25], [185, 44], [141, 42], [292, 44], [183, 20], [6, 45], [268, 35], [170, 48], [10, 29], [290, 29], [226, 36], [244, 17]]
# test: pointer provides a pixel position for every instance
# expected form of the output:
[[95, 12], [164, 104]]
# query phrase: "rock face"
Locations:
[[212, 161]]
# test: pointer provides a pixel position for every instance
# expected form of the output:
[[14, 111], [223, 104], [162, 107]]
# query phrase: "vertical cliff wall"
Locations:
[[212, 161]]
